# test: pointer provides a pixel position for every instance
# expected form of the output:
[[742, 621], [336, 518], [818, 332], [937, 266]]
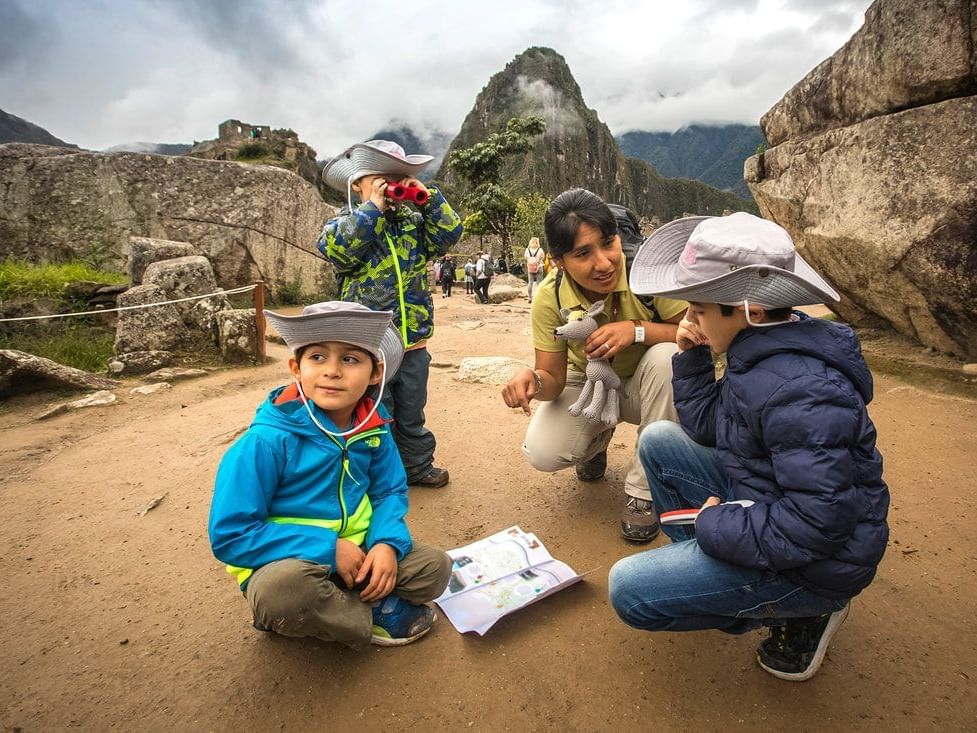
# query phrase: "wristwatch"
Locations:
[[639, 331]]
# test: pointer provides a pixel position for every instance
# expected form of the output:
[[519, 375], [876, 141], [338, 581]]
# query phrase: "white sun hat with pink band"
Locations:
[[374, 157], [726, 260]]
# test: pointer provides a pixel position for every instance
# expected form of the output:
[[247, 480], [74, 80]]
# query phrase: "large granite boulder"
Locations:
[[185, 277], [237, 335], [873, 172], [159, 328], [251, 221], [144, 251], [21, 372]]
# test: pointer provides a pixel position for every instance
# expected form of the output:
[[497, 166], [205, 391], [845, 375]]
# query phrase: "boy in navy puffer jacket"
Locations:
[[778, 455]]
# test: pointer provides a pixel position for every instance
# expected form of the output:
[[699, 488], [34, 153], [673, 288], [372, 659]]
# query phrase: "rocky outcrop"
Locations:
[[251, 221], [874, 175], [144, 251], [21, 372], [237, 335], [577, 149], [159, 328]]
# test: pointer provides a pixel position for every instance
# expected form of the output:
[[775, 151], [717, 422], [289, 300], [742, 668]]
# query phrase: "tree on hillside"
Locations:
[[530, 211], [480, 166]]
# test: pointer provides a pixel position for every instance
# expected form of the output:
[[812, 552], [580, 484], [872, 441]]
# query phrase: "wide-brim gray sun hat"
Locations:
[[726, 260], [351, 323], [374, 157]]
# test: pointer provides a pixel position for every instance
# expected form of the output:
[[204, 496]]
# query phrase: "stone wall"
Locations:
[[251, 222], [873, 171]]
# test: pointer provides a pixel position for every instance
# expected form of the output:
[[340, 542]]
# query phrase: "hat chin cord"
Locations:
[[746, 312], [365, 420]]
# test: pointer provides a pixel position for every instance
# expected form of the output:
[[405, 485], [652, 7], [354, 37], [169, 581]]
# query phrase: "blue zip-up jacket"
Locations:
[[381, 258], [284, 466], [792, 433]]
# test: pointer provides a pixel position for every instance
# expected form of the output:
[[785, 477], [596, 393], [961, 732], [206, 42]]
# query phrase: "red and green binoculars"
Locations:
[[400, 192]]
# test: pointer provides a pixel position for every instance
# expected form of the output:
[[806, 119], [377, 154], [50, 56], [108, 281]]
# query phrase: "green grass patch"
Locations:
[[20, 279], [80, 345]]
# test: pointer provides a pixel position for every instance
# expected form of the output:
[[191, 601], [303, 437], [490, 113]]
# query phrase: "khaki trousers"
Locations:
[[298, 598], [556, 440]]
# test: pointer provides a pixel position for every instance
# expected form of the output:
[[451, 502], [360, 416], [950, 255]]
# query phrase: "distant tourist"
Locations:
[[638, 343], [534, 257], [447, 276], [469, 277], [778, 456], [484, 270], [310, 503], [380, 250]]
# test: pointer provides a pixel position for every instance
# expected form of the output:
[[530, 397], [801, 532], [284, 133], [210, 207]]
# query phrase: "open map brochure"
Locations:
[[493, 577]]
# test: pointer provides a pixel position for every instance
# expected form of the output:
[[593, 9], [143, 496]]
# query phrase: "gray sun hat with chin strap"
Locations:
[[726, 260], [374, 157], [351, 323]]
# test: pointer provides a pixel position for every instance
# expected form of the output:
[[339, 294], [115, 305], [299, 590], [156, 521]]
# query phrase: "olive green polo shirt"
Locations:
[[546, 318]]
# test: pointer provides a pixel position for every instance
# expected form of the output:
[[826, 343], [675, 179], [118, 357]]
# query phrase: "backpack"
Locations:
[[535, 263], [630, 232], [488, 268]]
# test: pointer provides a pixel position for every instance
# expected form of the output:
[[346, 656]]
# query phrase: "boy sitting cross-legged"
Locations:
[[309, 504], [778, 455]]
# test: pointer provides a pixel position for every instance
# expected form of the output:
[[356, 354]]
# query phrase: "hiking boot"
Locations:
[[593, 469], [639, 521], [794, 651], [435, 478], [397, 622]]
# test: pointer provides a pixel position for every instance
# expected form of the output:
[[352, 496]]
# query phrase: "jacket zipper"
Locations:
[[400, 288], [344, 514]]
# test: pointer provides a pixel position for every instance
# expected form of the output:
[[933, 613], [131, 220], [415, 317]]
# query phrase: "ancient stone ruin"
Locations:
[[872, 169]]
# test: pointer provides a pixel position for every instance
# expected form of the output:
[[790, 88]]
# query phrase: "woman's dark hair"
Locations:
[[568, 211]]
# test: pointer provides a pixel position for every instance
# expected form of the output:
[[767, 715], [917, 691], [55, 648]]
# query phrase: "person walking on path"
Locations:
[[534, 257], [483, 276], [469, 277], [380, 250], [447, 276]]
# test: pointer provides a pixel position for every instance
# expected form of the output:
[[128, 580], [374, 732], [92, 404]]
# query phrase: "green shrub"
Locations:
[[20, 279], [75, 344], [252, 151], [290, 293]]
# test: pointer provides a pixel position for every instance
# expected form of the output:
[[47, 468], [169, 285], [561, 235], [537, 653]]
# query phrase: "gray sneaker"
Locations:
[[639, 521]]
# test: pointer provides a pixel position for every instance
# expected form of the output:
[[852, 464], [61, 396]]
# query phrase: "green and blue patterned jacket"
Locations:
[[381, 258]]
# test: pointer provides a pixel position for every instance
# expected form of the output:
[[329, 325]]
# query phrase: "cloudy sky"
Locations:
[[103, 72]]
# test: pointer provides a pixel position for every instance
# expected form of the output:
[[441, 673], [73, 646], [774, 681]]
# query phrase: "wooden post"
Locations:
[[259, 321]]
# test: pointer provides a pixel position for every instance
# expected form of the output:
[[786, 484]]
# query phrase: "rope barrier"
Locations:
[[243, 289]]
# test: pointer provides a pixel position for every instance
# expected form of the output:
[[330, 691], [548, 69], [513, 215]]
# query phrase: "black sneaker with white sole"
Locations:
[[794, 651]]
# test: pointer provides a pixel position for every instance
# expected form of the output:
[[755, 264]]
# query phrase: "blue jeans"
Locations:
[[405, 397], [679, 587]]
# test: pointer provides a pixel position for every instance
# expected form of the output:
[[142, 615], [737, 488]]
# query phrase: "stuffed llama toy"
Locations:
[[598, 401]]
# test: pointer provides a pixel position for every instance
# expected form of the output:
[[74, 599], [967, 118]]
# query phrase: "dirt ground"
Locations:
[[112, 620]]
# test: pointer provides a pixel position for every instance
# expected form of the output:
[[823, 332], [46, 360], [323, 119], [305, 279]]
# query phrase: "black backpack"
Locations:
[[629, 230], [488, 267]]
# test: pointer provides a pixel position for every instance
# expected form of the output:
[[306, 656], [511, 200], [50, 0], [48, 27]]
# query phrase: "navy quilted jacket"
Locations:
[[792, 433]]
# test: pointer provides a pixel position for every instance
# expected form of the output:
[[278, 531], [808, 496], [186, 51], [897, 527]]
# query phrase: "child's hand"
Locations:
[[349, 560], [381, 567], [414, 182], [689, 335], [378, 188]]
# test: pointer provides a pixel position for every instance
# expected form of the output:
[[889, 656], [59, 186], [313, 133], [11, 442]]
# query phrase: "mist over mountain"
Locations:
[[713, 154], [577, 148], [425, 142], [15, 129], [155, 148]]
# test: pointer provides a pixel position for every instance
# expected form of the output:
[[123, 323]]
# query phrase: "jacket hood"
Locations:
[[832, 343], [283, 409]]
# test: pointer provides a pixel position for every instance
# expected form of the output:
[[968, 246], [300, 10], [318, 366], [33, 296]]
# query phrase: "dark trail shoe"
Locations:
[[794, 651], [594, 468], [435, 478], [639, 521], [397, 622]]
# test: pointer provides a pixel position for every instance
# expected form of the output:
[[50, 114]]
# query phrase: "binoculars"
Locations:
[[400, 192]]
